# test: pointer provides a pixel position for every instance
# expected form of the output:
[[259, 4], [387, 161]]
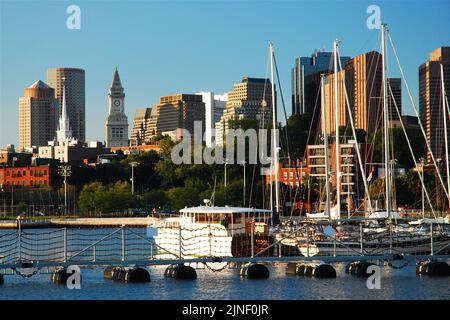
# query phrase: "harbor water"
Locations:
[[396, 284]]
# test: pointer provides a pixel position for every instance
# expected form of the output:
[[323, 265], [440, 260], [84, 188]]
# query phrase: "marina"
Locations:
[[204, 238], [215, 190]]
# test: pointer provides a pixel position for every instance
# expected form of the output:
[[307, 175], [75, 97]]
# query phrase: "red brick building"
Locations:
[[20, 177]]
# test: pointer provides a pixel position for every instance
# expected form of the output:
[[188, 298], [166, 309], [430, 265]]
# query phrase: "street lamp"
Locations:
[[225, 173], [133, 164], [422, 164], [65, 171]]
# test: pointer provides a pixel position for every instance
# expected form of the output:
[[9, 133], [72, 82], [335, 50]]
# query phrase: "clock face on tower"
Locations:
[[116, 103]]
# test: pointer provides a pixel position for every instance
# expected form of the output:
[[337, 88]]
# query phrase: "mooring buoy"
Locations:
[[433, 268], [127, 274], [317, 270], [110, 272], [180, 272], [61, 276], [254, 271], [358, 268]]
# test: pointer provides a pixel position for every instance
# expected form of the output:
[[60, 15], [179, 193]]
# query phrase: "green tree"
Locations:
[[156, 198], [297, 130], [346, 133], [165, 169], [22, 208], [180, 197], [400, 145], [88, 199], [95, 197]]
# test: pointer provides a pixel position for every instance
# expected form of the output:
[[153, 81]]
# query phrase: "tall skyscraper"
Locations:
[[330, 101], [395, 85], [178, 111], [251, 99], [430, 99], [75, 96], [362, 76], [305, 80], [37, 115], [214, 107], [117, 122], [140, 126]]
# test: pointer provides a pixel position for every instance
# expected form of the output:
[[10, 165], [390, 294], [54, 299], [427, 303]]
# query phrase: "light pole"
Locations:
[[225, 173], [422, 163], [65, 171], [133, 164]]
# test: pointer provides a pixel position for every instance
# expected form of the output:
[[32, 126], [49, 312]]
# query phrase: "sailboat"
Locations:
[[383, 233]]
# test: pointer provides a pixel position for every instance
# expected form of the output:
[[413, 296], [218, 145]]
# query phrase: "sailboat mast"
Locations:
[[274, 133], [325, 139], [336, 119], [445, 131], [385, 123]]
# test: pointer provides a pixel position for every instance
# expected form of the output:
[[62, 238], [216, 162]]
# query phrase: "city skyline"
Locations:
[[156, 62]]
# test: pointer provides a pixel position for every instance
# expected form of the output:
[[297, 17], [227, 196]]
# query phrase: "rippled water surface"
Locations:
[[395, 284]]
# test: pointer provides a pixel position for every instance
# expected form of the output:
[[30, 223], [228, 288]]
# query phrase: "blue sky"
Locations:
[[164, 47]]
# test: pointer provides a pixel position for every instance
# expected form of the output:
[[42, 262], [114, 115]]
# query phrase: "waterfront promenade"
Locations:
[[77, 222]]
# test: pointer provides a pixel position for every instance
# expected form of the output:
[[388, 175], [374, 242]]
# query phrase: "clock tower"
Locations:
[[117, 121]]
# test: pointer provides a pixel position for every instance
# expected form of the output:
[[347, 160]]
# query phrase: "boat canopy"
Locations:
[[207, 209]]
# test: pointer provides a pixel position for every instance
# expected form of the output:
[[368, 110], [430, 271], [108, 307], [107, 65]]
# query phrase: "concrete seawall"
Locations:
[[76, 222]]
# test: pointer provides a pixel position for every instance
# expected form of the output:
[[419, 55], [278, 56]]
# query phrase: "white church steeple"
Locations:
[[64, 133]]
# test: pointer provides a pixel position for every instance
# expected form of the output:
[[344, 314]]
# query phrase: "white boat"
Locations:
[[323, 215], [208, 231], [384, 215]]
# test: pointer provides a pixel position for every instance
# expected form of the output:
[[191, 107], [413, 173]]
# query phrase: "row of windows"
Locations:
[[24, 183], [23, 173]]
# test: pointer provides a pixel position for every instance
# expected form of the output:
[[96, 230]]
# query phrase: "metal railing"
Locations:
[[319, 241]]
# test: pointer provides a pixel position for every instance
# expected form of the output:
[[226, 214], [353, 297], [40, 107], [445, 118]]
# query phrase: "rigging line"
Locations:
[[261, 122], [379, 114], [448, 108], [312, 117], [417, 114], [412, 153], [363, 173], [391, 139], [282, 102], [286, 129]]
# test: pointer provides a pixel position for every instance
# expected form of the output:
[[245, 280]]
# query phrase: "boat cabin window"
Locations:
[[211, 217], [263, 217]]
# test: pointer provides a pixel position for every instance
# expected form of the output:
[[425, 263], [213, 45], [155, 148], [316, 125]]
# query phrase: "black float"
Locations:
[[60, 276], [358, 268], [1, 279], [180, 272], [127, 274], [318, 270], [254, 271], [432, 268]]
